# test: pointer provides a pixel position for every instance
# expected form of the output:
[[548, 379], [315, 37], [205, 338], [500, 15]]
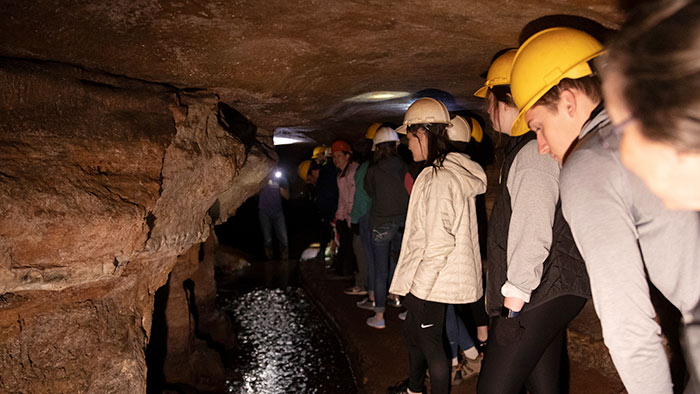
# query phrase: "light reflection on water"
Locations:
[[285, 346]]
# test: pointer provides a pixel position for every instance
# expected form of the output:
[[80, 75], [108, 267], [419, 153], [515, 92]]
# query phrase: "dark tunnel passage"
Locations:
[[349, 197]]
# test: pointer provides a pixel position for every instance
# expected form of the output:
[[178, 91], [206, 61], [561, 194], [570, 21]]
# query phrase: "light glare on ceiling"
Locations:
[[377, 96], [285, 140]]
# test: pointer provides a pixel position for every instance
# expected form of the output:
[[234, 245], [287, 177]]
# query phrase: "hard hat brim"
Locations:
[[482, 92], [520, 126], [401, 129], [477, 134]]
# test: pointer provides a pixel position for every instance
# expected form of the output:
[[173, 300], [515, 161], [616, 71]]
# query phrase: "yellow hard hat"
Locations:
[[372, 130], [477, 131], [303, 169], [499, 73], [319, 151], [425, 110], [543, 61]]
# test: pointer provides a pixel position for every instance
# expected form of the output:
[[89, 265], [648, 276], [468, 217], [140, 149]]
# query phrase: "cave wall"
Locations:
[[104, 182]]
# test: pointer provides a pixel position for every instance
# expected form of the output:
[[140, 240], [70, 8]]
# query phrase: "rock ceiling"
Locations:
[[290, 65]]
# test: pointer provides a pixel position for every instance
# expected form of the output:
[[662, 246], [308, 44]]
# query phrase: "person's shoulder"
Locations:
[[529, 158], [591, 170]]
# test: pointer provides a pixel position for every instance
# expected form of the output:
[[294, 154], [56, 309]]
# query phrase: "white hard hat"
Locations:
[[459, 131], [425, 110], [384, 134]]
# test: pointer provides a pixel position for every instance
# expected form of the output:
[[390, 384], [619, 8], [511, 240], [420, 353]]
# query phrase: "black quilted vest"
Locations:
[[564, 272]]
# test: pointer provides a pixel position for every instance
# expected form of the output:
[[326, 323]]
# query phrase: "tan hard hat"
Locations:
[[425, 110], [459, 131], [384, 134]]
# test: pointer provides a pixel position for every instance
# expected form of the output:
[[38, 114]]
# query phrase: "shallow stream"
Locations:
[[285, 343]]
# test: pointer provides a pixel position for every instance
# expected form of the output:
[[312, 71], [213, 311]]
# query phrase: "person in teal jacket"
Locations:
[[359, 221]]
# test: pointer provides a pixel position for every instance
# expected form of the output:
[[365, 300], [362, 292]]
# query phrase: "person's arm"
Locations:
[[443, 207], [284, 192], [369, 183], [593, 193], [359, 190], [533, 185]]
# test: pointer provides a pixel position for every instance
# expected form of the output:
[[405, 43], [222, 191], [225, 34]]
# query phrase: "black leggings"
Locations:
[[427, 344], [529, 349], [345, 263]]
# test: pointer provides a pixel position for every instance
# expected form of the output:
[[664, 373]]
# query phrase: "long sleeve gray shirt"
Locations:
[[621, 230], [533, 186]]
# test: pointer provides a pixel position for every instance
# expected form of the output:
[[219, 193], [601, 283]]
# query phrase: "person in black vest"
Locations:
[[536, 280]]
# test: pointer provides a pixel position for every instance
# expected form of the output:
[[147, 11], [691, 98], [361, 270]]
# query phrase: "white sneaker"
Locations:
[[366, 304]]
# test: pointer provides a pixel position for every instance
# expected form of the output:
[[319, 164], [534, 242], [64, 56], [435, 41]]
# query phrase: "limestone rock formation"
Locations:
[[104, 182]]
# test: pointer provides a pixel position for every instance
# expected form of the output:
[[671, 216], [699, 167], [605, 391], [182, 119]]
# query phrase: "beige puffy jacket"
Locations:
[[440, 259]]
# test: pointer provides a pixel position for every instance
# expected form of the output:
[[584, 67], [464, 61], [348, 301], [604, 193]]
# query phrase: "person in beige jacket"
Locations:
[[440, 262]]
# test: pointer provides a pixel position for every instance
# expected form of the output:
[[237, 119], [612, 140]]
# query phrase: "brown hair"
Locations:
[[589, 85], [384, 149], [438, 144], [657, 55]]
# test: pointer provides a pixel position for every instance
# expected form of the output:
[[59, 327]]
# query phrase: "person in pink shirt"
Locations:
[[341, 152]]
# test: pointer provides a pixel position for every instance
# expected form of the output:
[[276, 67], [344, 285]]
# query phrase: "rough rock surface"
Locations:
[[112, 161], [289, 63], [196, 330], [104, 182]]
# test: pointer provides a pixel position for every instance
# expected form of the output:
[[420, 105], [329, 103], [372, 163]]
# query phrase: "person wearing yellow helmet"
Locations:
[[324, 174], [303, 170], [623, 231], [320, 154], [529, 248]]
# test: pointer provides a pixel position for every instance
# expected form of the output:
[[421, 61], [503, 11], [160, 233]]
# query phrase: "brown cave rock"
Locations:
[[105, 181]]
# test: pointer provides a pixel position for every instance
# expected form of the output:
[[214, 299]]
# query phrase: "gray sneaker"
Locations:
[[366, 303]]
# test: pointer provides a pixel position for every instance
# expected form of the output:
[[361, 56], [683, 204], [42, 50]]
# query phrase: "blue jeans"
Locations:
[[268, 220], [386, 245], [457, 332], [366, 238]]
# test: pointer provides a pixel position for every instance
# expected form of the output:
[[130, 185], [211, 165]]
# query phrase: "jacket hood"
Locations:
[[467, 171]]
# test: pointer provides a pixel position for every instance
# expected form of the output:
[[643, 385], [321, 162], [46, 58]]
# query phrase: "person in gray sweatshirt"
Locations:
[[623, 231], [536, 281], [660, 132], [657, 99]]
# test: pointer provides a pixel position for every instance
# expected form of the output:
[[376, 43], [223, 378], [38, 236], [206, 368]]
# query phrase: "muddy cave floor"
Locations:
[[378, 358]]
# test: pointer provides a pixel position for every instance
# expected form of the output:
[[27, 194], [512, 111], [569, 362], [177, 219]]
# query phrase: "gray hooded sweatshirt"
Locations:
[[621, 230]]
